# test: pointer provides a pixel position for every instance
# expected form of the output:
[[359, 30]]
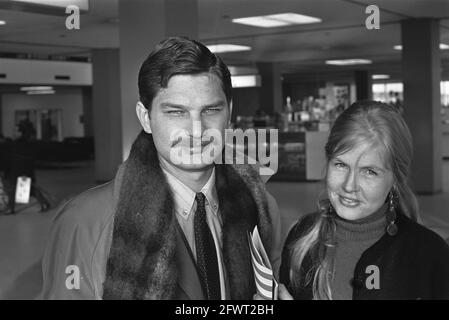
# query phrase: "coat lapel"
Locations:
[[149, 259], [188, 280]]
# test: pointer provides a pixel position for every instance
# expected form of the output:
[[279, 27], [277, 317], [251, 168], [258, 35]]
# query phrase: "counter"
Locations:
[[301, 156]]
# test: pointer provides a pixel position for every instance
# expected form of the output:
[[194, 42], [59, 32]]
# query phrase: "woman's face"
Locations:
[[358, 182]]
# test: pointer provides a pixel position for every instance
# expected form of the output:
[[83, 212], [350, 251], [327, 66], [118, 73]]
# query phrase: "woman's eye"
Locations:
[[339, 165], [371, 172]]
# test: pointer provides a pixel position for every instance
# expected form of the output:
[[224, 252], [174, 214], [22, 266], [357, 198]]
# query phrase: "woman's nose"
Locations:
[[350, 184]]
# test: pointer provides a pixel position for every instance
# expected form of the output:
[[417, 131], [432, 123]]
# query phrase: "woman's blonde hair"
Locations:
[[364, 122]]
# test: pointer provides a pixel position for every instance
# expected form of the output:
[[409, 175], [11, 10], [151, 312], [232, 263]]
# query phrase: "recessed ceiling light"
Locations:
[[443, 46], [41, 92], [347, 62], [219, 48], [2, 22], [380, 76], [277, 20], [36, 88]]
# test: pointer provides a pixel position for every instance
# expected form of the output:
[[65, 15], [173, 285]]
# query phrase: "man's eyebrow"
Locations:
[[219, 103], [172, 105]]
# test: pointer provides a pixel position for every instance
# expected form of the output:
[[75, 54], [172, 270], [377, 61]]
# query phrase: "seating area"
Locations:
[[69, 150], [22, 158]]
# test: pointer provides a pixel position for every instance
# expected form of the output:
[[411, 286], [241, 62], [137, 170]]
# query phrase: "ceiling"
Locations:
[[342, 33]]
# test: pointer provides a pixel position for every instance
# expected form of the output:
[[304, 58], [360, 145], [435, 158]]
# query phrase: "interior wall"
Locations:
[[71, 105]]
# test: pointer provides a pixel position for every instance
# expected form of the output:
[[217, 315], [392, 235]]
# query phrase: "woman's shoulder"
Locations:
[[421, 236]]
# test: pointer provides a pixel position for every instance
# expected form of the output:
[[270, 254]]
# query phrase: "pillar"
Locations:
[[143, 24], [88, 112], [271, 88], [363, 85], [421, 65], [106, 112]]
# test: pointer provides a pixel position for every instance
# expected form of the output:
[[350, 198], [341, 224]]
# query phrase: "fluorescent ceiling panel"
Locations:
[[348, 62], [2, 22], [380, 76], [36, 88], [443, 46], [47, 7], [246, 81], [277, 20], [220, 48], [41, 92], [82, 4]]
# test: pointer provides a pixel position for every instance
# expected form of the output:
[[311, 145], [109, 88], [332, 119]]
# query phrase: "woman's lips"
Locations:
[[348, 202]]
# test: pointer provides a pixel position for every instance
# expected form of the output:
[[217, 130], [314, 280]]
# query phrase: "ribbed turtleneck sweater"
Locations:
[[354, 237]]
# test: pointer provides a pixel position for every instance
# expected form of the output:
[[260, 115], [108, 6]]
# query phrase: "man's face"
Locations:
[[182, 116]]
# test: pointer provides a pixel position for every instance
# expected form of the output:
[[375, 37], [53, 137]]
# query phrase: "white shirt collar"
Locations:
[[184, 197]]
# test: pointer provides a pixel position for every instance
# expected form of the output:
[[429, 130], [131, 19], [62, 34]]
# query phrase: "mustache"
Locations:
[[191, 141]]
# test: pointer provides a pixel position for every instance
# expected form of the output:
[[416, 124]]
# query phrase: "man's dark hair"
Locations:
[[179, 56]]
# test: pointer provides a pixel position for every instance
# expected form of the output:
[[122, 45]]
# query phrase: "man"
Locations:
[[164, 228]]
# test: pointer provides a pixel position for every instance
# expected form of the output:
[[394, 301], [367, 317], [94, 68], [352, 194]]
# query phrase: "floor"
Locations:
[[23, 235]]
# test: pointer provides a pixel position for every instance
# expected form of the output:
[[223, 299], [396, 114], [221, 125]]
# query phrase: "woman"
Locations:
[[364, 241]]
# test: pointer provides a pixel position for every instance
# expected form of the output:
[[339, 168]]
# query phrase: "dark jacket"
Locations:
[[413, 264]]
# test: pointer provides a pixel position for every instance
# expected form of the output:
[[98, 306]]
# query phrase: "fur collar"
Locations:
[[142, 262]]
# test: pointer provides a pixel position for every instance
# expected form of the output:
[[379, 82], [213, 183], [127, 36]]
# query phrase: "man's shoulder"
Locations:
[[80, 237], [92, 207], [300, 227]]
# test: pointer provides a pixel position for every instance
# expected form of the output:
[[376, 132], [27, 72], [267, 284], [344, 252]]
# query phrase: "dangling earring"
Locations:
[[327, 213], [326, 208], [331, 209], [392, 228]]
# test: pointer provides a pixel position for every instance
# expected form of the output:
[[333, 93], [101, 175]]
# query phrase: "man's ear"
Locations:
[[143, 114]]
